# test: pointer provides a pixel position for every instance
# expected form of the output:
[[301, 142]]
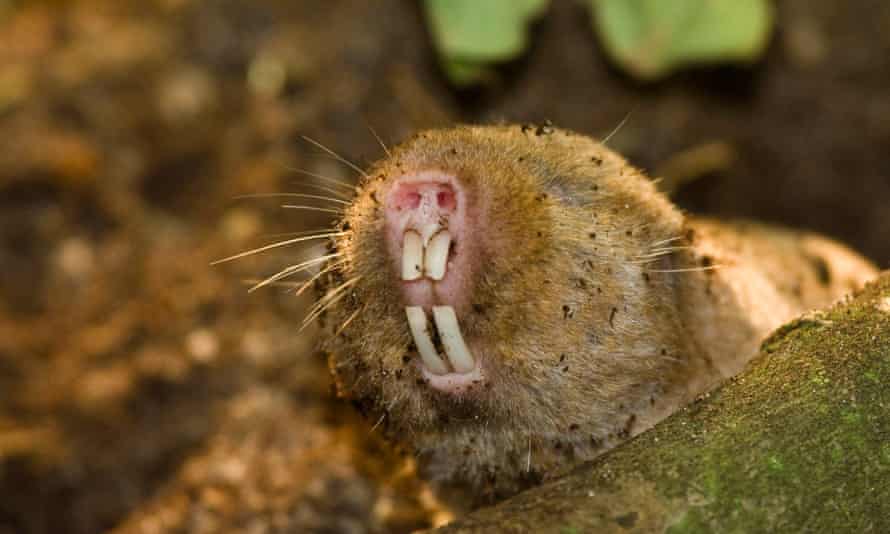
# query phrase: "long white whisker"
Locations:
[[689, 270], [671, 248], [310, 208], [295, 195], [318, 275], [279, 244], [295, 234], [331, 294], [617, 128], [328, 300], [348, 321], [373, 428], [290, 270], [336, 156], [662, 252], [289, 285], [666, 241], [331, 190], [379, 140], [341, 183]]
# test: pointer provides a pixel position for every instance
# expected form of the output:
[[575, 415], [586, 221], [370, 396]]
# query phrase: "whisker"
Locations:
[[666, 241], [348, 321], [331, 190], [279, 244], [327, 305], [688, 270], [336, 156], [331, 294], [311, 208], [311, 174], [292, 269], [671, 248], [373, 428], [617, 128], [295, 234], [289, 285], [296, 195], [328, 300], [379, 140], [528, 459], [318, 275], [662, 252]]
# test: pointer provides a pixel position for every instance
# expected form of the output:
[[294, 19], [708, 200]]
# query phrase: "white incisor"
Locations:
[[449, 331], [425, 257], [419, 331], [460, 360], [412, 256], [435, 258]]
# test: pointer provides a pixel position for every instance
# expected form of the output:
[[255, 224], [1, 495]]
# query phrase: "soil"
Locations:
[[143, 389]]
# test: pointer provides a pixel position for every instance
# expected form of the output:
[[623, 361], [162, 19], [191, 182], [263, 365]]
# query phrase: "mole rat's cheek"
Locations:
[[429, 238]]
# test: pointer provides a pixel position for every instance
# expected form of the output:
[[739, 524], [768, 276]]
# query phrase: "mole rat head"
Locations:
[[494, 306]]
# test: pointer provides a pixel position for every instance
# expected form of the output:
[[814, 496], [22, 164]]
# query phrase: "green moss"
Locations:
[[851, 417], [837, 452], [775, 463], [686, 524], [795, 329], [820, 380]]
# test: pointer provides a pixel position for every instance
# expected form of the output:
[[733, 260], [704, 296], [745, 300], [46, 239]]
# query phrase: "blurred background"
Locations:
[[144, 390]]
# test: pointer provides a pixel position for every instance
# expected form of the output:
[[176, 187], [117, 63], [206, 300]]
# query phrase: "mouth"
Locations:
[[429, 240]]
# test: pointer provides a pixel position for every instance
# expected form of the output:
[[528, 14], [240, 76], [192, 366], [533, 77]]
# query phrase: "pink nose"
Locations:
[[427, 198], [430, 204]]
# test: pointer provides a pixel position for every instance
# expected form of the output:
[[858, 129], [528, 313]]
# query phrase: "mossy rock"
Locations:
[[799, 442]]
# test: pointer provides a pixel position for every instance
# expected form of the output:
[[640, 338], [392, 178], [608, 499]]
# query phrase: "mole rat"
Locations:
[[509, 301]]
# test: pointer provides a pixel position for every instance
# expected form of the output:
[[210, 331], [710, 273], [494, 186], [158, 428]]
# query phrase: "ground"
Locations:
[[142, 387]]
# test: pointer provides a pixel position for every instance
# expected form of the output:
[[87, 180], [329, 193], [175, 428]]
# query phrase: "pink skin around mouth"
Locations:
[[454, 383], [421, 201]]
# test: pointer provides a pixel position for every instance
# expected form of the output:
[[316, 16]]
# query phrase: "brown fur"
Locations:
[[602, 308]]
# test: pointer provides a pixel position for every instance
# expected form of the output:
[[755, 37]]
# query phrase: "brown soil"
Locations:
[[141, 387]]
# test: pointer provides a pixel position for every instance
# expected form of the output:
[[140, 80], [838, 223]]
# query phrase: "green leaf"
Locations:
[[651, 38], [470, 35], [463, 73]]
